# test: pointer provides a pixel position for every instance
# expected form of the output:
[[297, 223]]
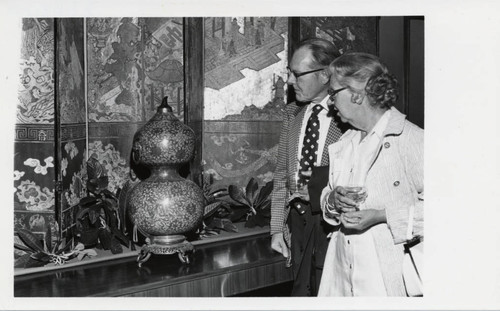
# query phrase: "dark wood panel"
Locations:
[[391, 52], [414, 79], [193, 88], [293, 41], [227, 283], [218, 269]]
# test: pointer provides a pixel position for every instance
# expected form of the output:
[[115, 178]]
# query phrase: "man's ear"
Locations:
[[325, 77], [357, 98]]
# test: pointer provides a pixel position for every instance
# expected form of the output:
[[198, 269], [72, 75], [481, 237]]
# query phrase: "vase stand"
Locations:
[[158, 246]]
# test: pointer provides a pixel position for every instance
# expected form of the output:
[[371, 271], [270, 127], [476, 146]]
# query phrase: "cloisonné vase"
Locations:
[[165, 205]]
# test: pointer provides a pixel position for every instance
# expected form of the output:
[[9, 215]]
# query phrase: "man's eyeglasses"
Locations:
[[332, 93], [300, 74]]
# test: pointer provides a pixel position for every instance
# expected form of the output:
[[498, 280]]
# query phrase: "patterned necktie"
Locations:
[[309, 152]]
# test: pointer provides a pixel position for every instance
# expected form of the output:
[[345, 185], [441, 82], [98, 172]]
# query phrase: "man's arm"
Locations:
[[279, 197], [281, 191]]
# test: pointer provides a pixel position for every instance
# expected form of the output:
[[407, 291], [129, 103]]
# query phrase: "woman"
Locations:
[[383, 155]]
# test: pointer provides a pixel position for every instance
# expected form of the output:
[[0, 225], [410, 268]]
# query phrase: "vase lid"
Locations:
[[164, 112]]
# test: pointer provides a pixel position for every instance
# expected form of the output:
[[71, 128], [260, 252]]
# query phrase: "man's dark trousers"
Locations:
[[309, 242]]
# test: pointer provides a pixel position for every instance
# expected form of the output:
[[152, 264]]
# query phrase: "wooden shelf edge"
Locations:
[[225, 236]]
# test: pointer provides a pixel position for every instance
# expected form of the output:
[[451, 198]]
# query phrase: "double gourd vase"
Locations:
[[165, 206]]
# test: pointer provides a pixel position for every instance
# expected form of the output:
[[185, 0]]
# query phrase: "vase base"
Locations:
[[167, 240], [181, 249]]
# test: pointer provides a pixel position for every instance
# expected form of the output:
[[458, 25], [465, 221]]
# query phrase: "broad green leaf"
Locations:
[[110, 195], [48, 239], [94, 168], [251, 190], [216, 223], [236, 194], [90, 252], [219, 193], [207, 233], [56, 246], [41, 256], [211, 208], [265, 206], [264, 194], [79, 247], [120, 236], [229, 226], [238, 214], [32, 263], [88, 201], [81, 256], [30, 240], [93, 216], [23, 248], [82, 213], [65, 246], [22, 261]]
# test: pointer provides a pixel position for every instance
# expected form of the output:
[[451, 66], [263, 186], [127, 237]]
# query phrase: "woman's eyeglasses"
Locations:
[[300, 74], [332, 93]]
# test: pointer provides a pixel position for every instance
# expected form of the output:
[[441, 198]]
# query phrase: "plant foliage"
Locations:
[[254, 203], [98, 219], [37, 254], [216, 212]]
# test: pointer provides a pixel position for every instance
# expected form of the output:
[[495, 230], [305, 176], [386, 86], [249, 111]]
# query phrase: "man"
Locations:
[[305, 135]]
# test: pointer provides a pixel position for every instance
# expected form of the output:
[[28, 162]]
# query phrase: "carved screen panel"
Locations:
[[71, 154], [132, 64], [34, 175], [346, 33], [245, 67]]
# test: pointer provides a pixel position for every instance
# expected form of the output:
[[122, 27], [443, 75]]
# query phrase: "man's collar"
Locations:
[[322, 103]]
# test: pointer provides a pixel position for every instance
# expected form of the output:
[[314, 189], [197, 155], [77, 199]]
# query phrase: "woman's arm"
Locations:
[[411, 151], [362, 220], [329, 214]]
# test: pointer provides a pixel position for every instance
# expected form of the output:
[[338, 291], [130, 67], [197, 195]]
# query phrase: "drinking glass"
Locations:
[[356, 193]]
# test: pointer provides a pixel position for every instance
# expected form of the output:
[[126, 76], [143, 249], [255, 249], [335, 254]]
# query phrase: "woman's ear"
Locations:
[[357, 98]]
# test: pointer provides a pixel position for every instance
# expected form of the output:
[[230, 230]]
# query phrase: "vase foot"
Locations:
[[182, 249]]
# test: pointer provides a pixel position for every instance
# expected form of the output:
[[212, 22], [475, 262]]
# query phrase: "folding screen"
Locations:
[[127, 66]]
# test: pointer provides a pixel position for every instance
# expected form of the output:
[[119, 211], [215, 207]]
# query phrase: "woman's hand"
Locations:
[[362, 220], [342, 203]]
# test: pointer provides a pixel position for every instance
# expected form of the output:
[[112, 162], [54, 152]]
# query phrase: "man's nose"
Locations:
[[291, 79]]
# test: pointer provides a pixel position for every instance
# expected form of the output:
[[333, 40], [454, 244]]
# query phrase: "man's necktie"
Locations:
[[309, 152]]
